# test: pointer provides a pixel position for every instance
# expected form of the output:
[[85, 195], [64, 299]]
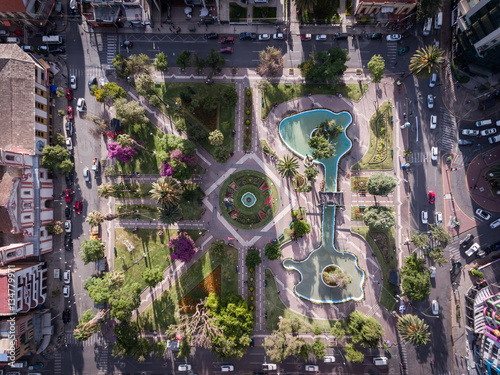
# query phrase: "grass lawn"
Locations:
[[254, 210], [144, 162], [162, 313], [358, 183], [386, 299], [190, 211], [237, 13], [354, 210], [281, 93], [143, 241], [275, 308], [264, 14], [386, 139]]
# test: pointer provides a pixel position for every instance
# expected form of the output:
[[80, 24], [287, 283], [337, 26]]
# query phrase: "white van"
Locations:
[[380, 361], [483, 123], [13, 39], [427, 26], [438, 21]]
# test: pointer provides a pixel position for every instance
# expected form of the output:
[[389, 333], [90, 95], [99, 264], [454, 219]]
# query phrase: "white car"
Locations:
[[434, 151], [483, 214], [435, 307], [439, 218], [470, 132], [264, 37], [278, 36], [432, 81], [184, 367], [67, 277], [394, 37], [329, 359], [226, 368], [269, 366], [433, 271], [425, 217], [494, 139], [69, 128], [488, 131], [86, 174], [430, 101], [72, 82], [434, 120], [321, 38], [80, 105], [66, 291], [495, 224], [69, 144], [312, 368], [67, 226]]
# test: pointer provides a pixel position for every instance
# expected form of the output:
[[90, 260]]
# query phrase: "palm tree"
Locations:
[[413, 329], [105, 190], [166, 192], [216, 138], [95, 218], [288, 166], [426, 61], [170, 215]]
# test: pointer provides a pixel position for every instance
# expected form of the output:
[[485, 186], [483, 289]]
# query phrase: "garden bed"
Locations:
[[359, 183], [237, 13], [265, 148], [324, 11], [264, 14], [356, 213], [247, 122]]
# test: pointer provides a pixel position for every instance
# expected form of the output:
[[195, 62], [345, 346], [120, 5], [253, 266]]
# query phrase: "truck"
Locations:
[[52, 39], [94, 232]]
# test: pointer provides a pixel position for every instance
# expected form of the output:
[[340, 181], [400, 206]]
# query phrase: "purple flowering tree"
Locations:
[[124, 154], [182, 247], [178, 165]]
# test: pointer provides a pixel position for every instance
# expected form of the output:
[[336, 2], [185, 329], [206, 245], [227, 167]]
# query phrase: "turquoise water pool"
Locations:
[[295, 132]]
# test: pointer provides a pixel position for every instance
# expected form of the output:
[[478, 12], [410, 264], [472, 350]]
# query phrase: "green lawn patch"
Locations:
[[356, 213], [358, 183], [281, 93], [237, 13], [264, 14], [379, 155], [146, 211], [143, 241], [275, 308], [387, 298], [191, 211], [162, 313], [133, 191]]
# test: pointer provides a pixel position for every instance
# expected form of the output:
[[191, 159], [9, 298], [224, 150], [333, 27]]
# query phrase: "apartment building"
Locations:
[[383, 10]]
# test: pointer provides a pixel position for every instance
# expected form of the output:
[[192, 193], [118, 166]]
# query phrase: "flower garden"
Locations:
[[248, 199]]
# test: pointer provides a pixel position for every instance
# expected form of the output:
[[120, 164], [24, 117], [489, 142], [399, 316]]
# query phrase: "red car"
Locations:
[[226, 50], [432, 197], [18, 32], [78, 207], [69, 111], [69, 94], [227, 39], [68, 195]]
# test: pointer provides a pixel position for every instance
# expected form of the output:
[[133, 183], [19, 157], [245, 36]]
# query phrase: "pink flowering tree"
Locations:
[[178, 165], [123, 153], [182, 247]]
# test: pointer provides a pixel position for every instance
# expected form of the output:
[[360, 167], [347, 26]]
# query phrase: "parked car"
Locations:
[[227, 39], [72, 82], [69, 179], [473, 249], [212, 36], [248, 36], [36, 366], [226, 50], [269, 366], [66, 291], [403, 50], [67, 277], [69, 111], [278, 36], [488, 132], [126, 44], [338, 36], [432, 197], [69, 128], [470, 132], [393, 37], [57, 50], [376, 36], [430, 101], [184, 367], [435, 152], [86, 174], [27, 48], [435, 307], [495, 224], [69, 94], [425, 216], [68, 195], [465, 142], [306, 36], [439, 218], [69, 144], [483, 122], [92, 82], [433, 271], [321, 38], [78, 207], [226, 368], [434, 119], [264, 36], [483, 214], [312, 368], [80, 105], [432, 80], [464, 242], [68, 212], [67, 226], [66, 317], [494, 139]]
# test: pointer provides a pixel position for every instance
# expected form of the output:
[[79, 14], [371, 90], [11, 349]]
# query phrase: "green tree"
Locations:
[[221, 154], [413, 329], [95, 218], [271, 61], [166, 192], [306, 5], [89, 281], [441, 234], [337, 277], [139, 64], [426, 61], [215, 61], [319, 349], [170, 215], [283, 342], [437, 255], [376, 67], [199, 64], [144, 85], [415, 278], [131, 113], [236, 321], [381, 184], [109, 92], [56, 159], [311, 173], [253, 258], [120, 64], [55, 228], [322, 149], [127, 335], [300, 228], [379, 217], [216, 138], [288, 166], [185, 347], [273, 251], [428, 8], [105, 190], [218, 248], [338, 330], [142, 349], [183, 59], [161, 63], [87, 325], [92, 250], [420, 239], [152, 276], [159, 349], [325, 66], [331, 127], [171, 142], [305, 350], [364, 329], [352, 354]]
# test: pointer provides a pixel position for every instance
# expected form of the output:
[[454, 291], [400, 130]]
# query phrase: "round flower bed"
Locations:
[[248, 199], [328, 270]]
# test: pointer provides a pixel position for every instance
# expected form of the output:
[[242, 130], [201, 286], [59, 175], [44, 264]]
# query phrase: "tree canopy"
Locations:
[[182, 247], [415, 278], [322, 148], [253, 258], [379, 217], [92, 250], [300, 228], [152, 276], [426, 61], [109, 92], [161, 63], [325, 66], [273, 251], [364, 329], [413, 329], [376, 67], [283, 342], [381, 184], [56, 159], [215, 61], [130, 112], [271, 61]]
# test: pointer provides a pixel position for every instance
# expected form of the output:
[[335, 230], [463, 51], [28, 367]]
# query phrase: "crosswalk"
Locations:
[[419, 157], [83, 73], [392, 53], [448, 126], [102, 360], [57, 363], [110, 48], [454, 248], [95, 339], [462, 161]]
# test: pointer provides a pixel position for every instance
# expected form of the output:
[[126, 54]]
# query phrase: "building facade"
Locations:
[[384, 10]]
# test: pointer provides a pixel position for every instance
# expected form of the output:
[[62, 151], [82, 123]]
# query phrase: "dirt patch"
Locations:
[[207, 119], [210, 284], [382, 242]]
